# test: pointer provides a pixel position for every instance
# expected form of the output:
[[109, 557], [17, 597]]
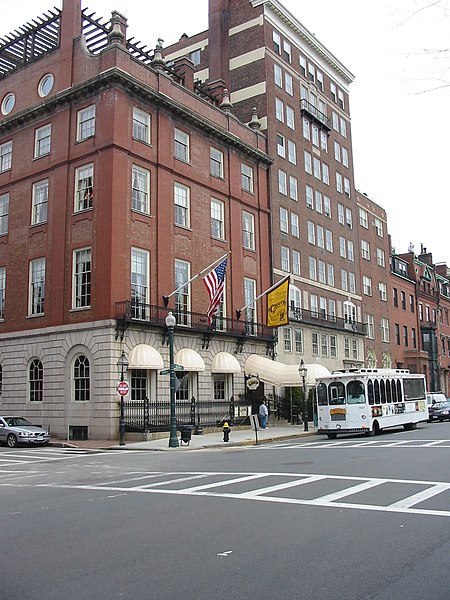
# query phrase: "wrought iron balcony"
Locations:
[[155, 316], [321, 319], [313, 112]]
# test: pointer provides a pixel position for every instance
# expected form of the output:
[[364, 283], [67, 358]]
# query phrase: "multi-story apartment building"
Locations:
[[298, 92], [420, 316], [120, 180], [374, 252]]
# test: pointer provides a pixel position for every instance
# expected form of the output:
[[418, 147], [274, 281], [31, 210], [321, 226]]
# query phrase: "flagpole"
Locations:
[[166, 298], [238, 312]]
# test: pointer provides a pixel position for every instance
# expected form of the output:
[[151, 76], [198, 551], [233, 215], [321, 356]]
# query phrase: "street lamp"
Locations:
[[302, 371], [122, 366], [173, 440]]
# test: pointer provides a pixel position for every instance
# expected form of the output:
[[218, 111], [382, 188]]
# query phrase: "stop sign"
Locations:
[[123, 388]]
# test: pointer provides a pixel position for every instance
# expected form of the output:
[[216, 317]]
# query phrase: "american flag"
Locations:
[[214, 282]]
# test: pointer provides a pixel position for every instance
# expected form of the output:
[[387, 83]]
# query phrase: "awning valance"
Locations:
[[144, 356], [279, 374], [189, 359], [224, 362]]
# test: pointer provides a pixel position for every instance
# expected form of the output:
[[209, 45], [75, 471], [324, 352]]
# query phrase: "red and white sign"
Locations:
[[123, 388]]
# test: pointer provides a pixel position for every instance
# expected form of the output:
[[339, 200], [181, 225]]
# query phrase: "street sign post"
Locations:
[[123, 388]]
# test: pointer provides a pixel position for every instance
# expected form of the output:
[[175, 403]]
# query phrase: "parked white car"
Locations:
[[433, 397], [17, 430]]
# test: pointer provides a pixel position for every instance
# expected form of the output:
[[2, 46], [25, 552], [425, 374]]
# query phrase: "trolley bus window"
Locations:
[[388, 391], [336, 393], [370, 391], [399, 391], [376, 387], [394, 391], [322, 394], [355, 392], [382, 392], [414, 389]]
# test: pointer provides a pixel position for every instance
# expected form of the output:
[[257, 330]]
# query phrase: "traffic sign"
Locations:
[[123, 388]]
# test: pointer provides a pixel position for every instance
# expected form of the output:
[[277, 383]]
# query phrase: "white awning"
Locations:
[[190, 360], [224, 362], [279, 374], [144, 356]]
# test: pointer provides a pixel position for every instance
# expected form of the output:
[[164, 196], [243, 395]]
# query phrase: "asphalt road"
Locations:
[[349, 519]]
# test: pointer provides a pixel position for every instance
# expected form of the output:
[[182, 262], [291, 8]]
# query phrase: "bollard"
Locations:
[[226, 432]]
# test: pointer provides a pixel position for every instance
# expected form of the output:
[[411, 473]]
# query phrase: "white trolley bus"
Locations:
[[368, 400]]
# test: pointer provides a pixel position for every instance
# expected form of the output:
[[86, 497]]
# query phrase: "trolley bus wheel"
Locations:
[[409, 426], [332, 435], [376, 428]]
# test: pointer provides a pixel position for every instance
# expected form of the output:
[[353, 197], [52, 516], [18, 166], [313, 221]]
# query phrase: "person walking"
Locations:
[[263, 414]]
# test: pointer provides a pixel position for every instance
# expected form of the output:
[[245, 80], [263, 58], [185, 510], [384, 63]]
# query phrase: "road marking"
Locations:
[[421, 496], [223, 483], [284, 486], [355, 489]]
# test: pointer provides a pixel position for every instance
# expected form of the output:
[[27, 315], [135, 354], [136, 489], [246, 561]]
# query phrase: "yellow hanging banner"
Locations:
[[277, 305]]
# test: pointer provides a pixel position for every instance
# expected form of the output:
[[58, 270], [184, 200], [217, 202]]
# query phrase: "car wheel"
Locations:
[[11, 440]]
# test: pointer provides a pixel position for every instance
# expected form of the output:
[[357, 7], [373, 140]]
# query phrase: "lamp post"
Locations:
[[302, 371], [173, 440], [122, 365]]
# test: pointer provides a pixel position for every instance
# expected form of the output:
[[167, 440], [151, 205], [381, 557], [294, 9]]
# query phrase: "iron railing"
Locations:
[[319, 318], [154, 416]]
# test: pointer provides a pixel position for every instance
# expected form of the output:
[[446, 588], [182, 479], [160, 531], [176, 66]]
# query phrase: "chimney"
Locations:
[[218, 35], [70, 29]]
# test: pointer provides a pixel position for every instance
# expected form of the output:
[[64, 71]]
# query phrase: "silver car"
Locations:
[[17, 430]]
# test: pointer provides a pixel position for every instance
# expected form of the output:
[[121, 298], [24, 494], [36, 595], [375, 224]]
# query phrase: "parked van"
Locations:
[[433, 397]]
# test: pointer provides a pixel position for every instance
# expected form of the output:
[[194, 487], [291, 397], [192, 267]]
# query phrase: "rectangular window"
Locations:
[[329, 240], [182, 201], [370, 326], [339, 184], [36, 296], [311, 73], [302, 63], [397, 334], [325, 174], [290, 118], [367, 285], [306, 129], [82, 269], [5, 156], [341, 99], [322, 272], [139, 282], [287, 337], [351, 283], [315, 135], [312, 268], [344, 280], [276, 42], [181, 145], [333, 346], [342, 247], [337, 151], [349, 218], [295, 228], [311, 233], [284, 224], [414, 338], [248, 231], [279, 110], [42, 141], [335, 121], [40, 202], [293, 188], [327, 206], [183, 295], [278, 75], [217, 219], [285, 263], [395, 297], [365, 250], [296, 262], [315, 343], [286, 51], [319, 76], [216, 162], [411, 307], [282, 182], [4, 212], [333, 91], [247, 178], [341, 212], [194, 56], [363, 218], [249, 299], [317, 169], [320, 237], [292, 152], [308, 162], [347, 347], [403, 299], [324, 344], [350, 252], [140, 192], [380, 258], [355, 349], [323, 141], [289, 84], [2, 292], [343, 127], [84, 187], [347, 187], [141, 125], [309, 197], [332, 310], [330, 275], [405, 336], [281, 146], [86, 123], [319, 201], [298, 337], [345, 157], [379, 227], [384, 330]]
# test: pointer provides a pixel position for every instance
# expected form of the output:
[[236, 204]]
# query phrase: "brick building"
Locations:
[[120, 180], [374, 252], [298, 92]]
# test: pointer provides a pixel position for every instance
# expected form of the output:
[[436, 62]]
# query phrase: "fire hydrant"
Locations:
[[226, 432]]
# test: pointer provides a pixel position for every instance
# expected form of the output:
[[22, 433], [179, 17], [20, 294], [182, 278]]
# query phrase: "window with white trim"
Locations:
[[306, 128], [327, 206], [85, 123], [5, 156], [342, 247], [81, 379], [4, 213], [311, 233], [315, 343], [350, 251], [181, 145], [320, 237], [282, 182], [309, 197], [365, 250], [367, 285], [140, 277], [292, 152], [84, 187], [330, 275], [140, 189], [36, 381], [345, 160], [287, 338], [347, 187], [36, 293], [276, 37], [344, 280], [314, 305], [285, 262], [339, 183], [349, 218], [381, 257], [341, 214], [295, 262], [182, 205], [384, 330], [247, 178], [42, 140], [290, 117], [216, 162], [279, 110], [312, 268], [281, 145], [141, 125], [248, 230], [351, 282], [382, 287], [298, 340], [284, 222], [319, 201], [286, 51], [343, 127], [370, 326], [278, 75], [82, 273], [293, 188], [322, 271], [325, 174], [364, 218], [183, 295], [40, 202], [289, 84], [328, 240], [317, 169], [295, 228], [249, 300], [217, 219], [308, 162], [2, 292], [378, 223]]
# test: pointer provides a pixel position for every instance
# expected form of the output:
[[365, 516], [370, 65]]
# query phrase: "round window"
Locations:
[[45, 85], [8, 103]]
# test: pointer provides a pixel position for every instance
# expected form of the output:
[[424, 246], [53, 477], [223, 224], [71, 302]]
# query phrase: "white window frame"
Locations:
[[84, 187], [216, 163], [6, 156], [141, 130], [42, 140], [39, 210], [217, 219], [81, 278], [86, 123], [182, 143], [182, 205], [284, 220], [247, 178], [36, 291], [248, 230], [140, 189], [4, 213]]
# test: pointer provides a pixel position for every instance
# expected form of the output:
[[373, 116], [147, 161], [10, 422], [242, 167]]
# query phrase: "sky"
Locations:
[[396, 49]]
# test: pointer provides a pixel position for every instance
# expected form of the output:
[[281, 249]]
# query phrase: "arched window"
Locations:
[[81, 379], [36, 381], [349, 313]]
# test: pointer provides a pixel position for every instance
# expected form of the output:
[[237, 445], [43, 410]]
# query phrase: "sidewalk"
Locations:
[[238, 437]]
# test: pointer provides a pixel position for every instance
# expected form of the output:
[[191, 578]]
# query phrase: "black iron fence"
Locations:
[[148, 416]]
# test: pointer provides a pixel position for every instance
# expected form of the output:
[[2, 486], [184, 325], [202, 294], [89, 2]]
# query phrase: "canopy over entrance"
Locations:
[[279, 374]]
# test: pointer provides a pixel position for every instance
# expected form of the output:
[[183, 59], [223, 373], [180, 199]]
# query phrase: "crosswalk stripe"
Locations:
[[421, 496]]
